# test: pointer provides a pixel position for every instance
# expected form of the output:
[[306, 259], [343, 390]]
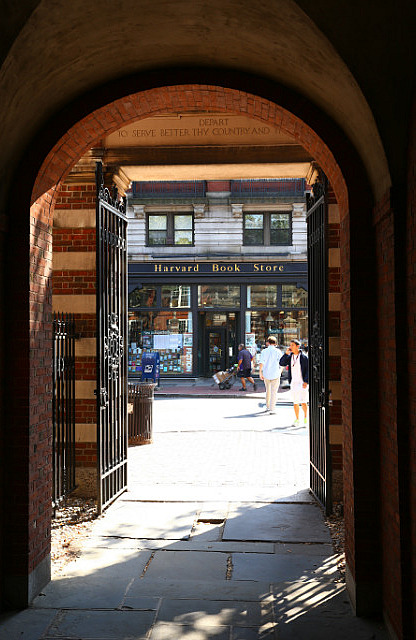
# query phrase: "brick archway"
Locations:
[[186, 99], [30, 389]]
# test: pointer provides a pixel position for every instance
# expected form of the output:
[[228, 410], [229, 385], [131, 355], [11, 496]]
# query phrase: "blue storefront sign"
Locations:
[[214, 269]]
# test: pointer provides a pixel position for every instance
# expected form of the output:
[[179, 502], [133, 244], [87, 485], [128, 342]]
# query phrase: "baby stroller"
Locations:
[[224, 379]]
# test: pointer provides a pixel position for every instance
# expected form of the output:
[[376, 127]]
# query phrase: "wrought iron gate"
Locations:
[[112, 427], [320, 459], [63, 407]]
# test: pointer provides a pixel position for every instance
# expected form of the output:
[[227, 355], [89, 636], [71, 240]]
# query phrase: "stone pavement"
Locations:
[[217, 538]]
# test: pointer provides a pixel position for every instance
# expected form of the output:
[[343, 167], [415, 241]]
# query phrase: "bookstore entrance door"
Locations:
[[218, 333], [217, 350]]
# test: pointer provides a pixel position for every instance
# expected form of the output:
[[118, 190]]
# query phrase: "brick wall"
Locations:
[[74, 287], [27, 467]]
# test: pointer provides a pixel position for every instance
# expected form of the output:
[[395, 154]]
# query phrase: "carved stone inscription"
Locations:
[[200, 129]]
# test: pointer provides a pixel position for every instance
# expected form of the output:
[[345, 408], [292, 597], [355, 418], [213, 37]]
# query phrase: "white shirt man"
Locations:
[[270, 372]]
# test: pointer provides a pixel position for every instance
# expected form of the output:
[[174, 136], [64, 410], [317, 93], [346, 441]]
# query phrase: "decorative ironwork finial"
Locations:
[[319, 189], [103, 192]]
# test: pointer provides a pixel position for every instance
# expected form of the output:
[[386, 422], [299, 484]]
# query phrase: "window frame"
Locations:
[[267, 229], [170, 228]]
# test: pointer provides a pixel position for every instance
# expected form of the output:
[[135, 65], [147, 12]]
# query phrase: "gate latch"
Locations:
[[103, 397]]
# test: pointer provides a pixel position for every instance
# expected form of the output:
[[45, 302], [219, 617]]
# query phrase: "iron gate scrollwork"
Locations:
[[320, 457], [112, 424]]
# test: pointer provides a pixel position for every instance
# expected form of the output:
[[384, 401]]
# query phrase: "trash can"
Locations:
[[140, 413], [151, 366]]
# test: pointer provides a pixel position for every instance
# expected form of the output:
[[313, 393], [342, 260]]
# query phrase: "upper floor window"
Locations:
[[170, 229], [268, 228]]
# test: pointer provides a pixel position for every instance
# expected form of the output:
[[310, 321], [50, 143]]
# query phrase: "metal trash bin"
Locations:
[[140, 413]]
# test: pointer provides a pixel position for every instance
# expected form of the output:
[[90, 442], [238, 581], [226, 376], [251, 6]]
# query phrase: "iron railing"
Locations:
[[140, 409], [165, 189], [267, 188], [291, 188], [63, 407]]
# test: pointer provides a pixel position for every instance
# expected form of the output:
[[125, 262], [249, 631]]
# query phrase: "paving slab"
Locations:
[[325, 550], [91, 592], [208, 613], [183, 565], [174, 631], [319, 611], [102, 625], [252, 633], [205, 532], [288, 566], [198, 589], [29, 624], [108, 563], [141, 603], [168, 521], [193, 544], [213, 511], [279, 522]]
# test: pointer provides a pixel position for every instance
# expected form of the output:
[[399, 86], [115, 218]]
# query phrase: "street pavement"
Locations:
[[217, 538]]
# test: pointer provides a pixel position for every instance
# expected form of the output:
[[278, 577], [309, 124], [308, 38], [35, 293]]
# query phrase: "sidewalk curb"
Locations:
[[170, 394]]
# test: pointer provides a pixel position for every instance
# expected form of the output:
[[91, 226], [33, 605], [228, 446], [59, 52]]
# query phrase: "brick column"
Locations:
[[336, 434], [27, 438], [360, 401], [74, 285]]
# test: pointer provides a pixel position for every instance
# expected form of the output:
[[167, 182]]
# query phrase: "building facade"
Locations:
[[213, 264]]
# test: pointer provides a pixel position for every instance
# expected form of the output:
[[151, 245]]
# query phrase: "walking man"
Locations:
[[298, 378], [244, 367], [270, 372]]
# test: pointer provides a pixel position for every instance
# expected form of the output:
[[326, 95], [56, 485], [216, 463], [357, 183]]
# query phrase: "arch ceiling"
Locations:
[[65, 50]]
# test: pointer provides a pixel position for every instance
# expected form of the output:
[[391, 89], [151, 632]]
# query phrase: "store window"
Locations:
[[218, 295], [262, 295], [170, 229], [142, 297], [293, 296], [268, 228], [284, 325], [169, 333], [176, 296]]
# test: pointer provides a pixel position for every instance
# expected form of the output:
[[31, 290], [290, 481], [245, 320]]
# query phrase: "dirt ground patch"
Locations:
[[71, 527], [335, 523]]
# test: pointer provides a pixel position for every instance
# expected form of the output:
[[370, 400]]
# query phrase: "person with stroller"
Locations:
[[244, 367]]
